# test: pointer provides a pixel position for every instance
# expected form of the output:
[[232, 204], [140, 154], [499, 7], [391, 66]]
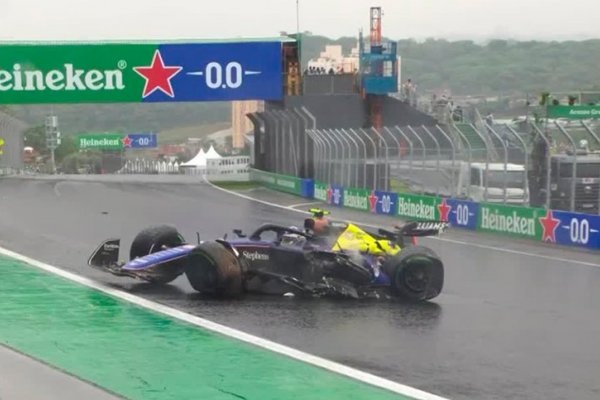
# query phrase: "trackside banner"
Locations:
[[140, 72], [417, 207], [549, 226], [282, 183]]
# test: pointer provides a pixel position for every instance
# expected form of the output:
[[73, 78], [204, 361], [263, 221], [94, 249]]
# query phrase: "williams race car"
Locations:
[[323, 259]]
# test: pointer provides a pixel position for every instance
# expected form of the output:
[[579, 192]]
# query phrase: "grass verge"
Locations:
[[235, 185]]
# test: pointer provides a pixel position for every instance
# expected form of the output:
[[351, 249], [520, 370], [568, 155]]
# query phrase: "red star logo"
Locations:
[[549, 224], [329, 195], [127, 141], [444, 210], [158, 76], [373, 200]]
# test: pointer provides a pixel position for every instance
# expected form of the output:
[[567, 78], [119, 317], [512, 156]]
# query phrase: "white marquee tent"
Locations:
[[199, 161]]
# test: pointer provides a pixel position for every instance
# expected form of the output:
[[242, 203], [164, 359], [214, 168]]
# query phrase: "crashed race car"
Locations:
[[325, 258]]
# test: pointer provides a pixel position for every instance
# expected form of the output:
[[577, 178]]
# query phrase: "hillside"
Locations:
[[497, 67], [126, 118]]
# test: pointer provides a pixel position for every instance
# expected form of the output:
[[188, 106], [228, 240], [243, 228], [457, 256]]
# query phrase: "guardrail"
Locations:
[[546, 225]]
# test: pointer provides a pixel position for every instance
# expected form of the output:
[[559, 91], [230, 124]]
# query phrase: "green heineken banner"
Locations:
[[357, 199], [321, 191], [412, 206], [574, 112], [511, 220], [136, 72], [101, 141], [283, 183]]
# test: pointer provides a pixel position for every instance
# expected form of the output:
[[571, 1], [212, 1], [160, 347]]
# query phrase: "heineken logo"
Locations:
[[417, 209], [66, 78], [321, 192], [507, 222], [265, 178], [158, 76], [355, 200], [83, 142], [112, 141], [286, 183]]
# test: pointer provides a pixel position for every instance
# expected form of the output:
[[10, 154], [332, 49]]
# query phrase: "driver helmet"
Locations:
[[319, 226], [293, 239]]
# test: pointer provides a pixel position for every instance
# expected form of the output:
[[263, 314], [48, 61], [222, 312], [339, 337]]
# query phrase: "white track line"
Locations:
[[230, 332], [304, 204], [480, 246]]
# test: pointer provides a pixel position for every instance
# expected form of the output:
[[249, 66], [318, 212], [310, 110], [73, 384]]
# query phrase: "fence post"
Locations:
[[439, 151], [294, 148], [574, 173], [304, 119], [355, 160], [387, 150], [453, 172], [333, 156], [487, 160], [486, 125], [423, 150], [591, 131], [410, 149], [548, 163], [291, 147], [364, 185], [374, 153], [386, 130], [526, 153], [345, 160], [328, 155], [339, 158], [316, 150]]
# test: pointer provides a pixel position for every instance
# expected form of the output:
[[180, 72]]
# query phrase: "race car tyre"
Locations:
[[416, 274], [214, 270], [156, 238]]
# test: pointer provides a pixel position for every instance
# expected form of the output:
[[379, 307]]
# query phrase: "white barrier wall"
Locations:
[[228, 169]]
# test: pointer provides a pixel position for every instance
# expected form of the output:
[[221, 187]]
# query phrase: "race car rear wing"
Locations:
[[415, 229], [426, 228]]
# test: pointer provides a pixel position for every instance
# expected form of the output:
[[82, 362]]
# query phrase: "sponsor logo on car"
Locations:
[[427, 226], [255, 256], [110, 246]]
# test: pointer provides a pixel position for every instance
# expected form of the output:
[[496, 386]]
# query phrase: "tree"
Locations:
[[67, 146], [36, 137]]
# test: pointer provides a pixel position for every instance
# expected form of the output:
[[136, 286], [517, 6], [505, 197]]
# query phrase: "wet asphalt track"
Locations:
[[507, 325]]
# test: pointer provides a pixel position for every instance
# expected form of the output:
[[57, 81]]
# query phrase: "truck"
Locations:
[[585, 182], [483, 182]]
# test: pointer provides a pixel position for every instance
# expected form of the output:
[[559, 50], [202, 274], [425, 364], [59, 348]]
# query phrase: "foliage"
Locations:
[[88, 160], [67, 146], [125, 118], [499, 66], [35, 137]]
